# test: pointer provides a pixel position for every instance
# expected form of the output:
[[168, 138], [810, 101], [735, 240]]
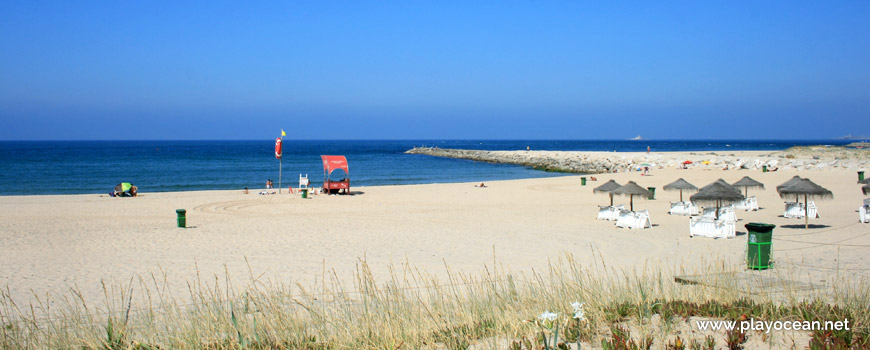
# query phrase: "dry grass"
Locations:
[[411, 310]]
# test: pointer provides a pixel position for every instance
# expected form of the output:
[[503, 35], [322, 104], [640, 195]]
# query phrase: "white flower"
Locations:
[[548, 316], [579, 313]]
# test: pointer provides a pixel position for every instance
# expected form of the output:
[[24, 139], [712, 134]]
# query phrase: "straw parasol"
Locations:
[[806, 188], [717, 192], [631, 189], [680, 185], [865, 189], [865, 181], [746, 182], [608, 188], [735, 189], [790, 182]]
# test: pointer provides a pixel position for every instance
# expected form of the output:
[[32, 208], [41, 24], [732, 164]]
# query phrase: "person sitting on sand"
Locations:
[[134, 191], [246, 190]]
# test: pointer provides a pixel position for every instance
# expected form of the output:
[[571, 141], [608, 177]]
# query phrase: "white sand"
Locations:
[[53, 243]]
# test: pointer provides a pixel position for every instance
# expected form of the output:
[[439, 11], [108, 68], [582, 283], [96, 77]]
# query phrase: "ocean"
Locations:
[[82, 167]]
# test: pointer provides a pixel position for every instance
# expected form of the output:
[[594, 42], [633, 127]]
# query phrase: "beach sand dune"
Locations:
[[53, 243]]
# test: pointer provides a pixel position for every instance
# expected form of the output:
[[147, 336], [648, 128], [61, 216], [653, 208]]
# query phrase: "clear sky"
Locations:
[[82, 70]]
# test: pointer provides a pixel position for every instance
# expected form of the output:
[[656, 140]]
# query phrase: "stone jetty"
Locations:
[[608, 162]]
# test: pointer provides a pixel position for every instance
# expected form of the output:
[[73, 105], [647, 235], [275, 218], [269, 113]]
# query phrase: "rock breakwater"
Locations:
[[609, 162]]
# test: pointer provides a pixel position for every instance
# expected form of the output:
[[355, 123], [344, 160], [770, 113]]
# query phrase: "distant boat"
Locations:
[[636, 138]]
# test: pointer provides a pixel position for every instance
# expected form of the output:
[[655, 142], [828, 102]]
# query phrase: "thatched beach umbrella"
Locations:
[[631, 189], [790, 182], [866, 181], [717, 192], [865, 189], [735, 189], [680, 185], [746, 182], [608, 188], [808, 189]]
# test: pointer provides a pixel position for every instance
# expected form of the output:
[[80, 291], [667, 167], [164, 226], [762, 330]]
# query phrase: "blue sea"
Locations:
[[80, 167]]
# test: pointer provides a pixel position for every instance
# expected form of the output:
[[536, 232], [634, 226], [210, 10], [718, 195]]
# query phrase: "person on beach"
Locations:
[[481, 185], [134, 191], [269, 183], [246, 190]]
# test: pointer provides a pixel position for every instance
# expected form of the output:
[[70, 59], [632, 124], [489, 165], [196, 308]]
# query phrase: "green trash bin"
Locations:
[[182, 217], [652, 192], [764, 168], [304, 193], [583, 181], [758, 245], [860, 175]]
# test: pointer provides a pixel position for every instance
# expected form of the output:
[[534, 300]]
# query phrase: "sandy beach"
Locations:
[[53, 243]]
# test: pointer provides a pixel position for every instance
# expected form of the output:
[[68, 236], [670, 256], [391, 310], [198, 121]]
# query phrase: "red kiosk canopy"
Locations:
[[330, 164]]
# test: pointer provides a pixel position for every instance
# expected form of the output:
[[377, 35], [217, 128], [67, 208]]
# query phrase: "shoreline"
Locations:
[[802, 158]]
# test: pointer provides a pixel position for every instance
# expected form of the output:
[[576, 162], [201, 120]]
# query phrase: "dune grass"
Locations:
[[414, 310]]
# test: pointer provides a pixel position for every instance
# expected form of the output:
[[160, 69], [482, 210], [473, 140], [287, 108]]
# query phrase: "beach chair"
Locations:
[[793, 210], [702, 226], [642, 219], [753, 203], [709, 213], [604, 212], [626, 218], [812, 211], [727, 229], [691, 208], [614, 212], [678, 208], [864, 214], [709, 227], [727, 213], [747, 204]]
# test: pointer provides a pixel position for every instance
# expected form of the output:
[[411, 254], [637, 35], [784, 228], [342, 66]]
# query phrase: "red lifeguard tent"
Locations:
[[331, 164]]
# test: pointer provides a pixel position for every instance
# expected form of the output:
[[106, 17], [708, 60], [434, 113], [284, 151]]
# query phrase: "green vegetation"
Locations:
[[413, 310]]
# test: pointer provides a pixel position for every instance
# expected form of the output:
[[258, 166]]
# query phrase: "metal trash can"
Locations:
[[860, 175], [182, 217], [652, 192], [764, 168], [759, 239], [583, 181], [304, 193]]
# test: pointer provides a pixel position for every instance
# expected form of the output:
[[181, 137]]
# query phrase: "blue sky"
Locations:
[[435, 70]]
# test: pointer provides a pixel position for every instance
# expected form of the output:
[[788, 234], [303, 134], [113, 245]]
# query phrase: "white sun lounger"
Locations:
[[725, 213], [796, 210], [864, 214], [630, 219], [683, 208], [812, 211], [747, 204], [609, 212], [793, 210], [709, 227]]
